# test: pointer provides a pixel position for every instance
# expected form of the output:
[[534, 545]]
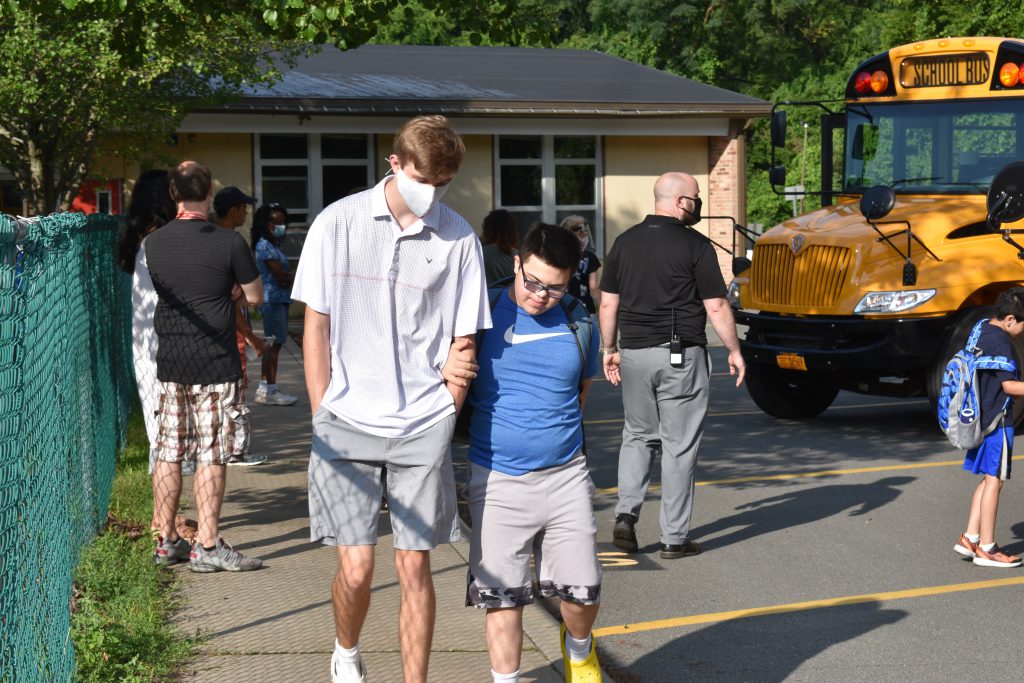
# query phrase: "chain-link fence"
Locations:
[[66, 384]]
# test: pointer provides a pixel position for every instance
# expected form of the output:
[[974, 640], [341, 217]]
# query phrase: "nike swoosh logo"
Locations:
[[512, 338]]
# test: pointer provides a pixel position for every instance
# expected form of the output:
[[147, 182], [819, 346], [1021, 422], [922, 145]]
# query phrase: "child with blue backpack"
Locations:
[[996, 389]]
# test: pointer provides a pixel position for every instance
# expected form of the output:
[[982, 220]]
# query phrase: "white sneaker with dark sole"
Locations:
[[248, 461]]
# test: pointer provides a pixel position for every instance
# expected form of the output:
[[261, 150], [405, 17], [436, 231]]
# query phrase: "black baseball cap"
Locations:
[[231, 197]]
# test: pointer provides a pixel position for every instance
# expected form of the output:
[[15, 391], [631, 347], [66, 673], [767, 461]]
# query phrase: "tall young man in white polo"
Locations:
[[390, 278]]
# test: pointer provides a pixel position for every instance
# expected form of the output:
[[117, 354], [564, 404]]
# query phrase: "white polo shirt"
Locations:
[[396, 298]]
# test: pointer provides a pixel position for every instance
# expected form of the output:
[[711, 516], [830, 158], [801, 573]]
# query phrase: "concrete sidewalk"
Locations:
[[276, 624]]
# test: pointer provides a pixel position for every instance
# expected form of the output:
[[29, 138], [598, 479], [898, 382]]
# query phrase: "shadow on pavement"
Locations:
[[799, 506], [763, 649]]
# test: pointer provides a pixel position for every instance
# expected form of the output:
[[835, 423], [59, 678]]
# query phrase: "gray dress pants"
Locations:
[[664, 409]]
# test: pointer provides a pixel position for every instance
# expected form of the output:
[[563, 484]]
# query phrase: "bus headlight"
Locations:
[[893, 302], [733, 295]]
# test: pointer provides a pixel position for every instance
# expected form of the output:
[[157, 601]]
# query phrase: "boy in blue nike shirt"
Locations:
[[529, 489], [992, 458]]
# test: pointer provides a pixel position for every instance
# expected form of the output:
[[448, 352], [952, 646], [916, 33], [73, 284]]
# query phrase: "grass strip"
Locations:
[[122, 602]]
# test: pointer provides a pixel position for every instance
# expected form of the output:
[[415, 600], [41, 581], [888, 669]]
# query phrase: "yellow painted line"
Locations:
[[758, 412], [816, 473], [715, 617]]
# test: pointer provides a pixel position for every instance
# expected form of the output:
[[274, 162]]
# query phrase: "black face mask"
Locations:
[[694, 216]]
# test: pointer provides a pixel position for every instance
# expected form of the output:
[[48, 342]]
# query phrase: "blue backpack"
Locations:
[[959, 411]]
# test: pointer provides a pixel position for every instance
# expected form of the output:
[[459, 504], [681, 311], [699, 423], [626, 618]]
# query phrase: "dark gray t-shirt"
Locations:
[[661, 269], [194, 265]]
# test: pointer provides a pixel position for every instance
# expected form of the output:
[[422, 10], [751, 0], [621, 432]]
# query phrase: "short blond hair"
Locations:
[[431, 145]]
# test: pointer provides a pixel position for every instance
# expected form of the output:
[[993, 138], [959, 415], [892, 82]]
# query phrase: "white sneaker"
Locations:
[[344, 672], [278, 398], [248, 460]]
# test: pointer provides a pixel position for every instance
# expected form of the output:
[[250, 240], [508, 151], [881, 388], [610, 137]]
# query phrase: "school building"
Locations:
[[548, 133]]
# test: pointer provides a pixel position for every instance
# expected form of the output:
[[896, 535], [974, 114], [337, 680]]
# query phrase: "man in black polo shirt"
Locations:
[[195, 266], [661, 284]]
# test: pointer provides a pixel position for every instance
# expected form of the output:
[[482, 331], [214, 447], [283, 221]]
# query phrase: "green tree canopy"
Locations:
[[76, 74]]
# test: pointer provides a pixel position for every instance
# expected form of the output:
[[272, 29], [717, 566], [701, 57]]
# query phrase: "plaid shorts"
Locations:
[[203, 423]]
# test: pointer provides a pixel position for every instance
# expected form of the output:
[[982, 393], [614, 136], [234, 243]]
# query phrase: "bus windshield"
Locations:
[[932, 147]]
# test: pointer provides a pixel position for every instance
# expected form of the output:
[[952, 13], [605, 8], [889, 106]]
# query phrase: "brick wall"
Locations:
[[726, 194]]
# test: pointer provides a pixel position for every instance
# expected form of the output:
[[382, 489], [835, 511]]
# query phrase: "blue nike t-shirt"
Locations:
[[525, 398]]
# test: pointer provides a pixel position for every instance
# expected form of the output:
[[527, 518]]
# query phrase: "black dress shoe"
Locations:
[[624, 534], [674, 552]]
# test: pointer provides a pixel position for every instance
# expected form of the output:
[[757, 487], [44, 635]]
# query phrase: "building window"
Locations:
[[305, 173], [549, 177]]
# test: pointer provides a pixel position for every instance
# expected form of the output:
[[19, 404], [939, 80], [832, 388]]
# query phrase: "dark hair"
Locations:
[[190, 182], [261, 224], [553, 245], [151, 207], [499, 227], [1010, 302]]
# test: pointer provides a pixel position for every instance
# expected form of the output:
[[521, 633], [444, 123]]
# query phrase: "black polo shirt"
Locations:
[[194, 265], [657, 267]]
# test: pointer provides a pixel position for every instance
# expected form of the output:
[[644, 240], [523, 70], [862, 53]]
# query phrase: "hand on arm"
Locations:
[[460, 368], [316, 352], [280, 275], [608, 317], [720, 315]]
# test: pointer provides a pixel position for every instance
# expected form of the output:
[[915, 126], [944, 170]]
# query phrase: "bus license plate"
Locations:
[[791, 361]]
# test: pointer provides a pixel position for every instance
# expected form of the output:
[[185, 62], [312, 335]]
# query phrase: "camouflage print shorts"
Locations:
[[547, 515]]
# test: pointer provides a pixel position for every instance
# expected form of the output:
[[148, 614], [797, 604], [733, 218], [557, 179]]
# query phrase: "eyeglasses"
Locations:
[[535, 287]]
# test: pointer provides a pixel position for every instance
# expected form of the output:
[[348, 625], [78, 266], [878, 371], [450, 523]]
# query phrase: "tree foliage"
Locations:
[[77, 74]]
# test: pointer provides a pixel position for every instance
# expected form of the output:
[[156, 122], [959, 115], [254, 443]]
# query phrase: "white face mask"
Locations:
[[584, 243], [419, 197], [280, 230]]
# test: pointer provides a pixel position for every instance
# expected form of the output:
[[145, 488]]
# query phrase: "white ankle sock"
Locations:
[[973, 538], [505, 678], [346, 664], [578, 649], [987, 547], [262, 387]]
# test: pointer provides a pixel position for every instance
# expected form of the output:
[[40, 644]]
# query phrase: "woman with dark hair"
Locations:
[[499, 238], [150, 208], [269, 227]]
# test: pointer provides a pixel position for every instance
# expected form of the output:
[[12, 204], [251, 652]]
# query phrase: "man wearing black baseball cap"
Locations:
[[230, 206]]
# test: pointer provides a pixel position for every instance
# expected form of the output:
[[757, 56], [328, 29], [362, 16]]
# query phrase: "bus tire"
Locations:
[[789, 395], [956, 339]]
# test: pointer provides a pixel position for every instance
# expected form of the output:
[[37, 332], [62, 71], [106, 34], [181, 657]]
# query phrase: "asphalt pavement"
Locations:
[[827, 557]]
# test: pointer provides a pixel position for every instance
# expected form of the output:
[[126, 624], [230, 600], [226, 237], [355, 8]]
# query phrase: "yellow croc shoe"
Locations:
[[587, 671]]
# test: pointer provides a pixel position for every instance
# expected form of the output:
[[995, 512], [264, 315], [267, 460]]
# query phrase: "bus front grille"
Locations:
[[811, 278]]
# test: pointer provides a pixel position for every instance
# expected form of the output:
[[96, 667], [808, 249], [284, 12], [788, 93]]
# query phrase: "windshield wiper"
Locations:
[[901, 181]]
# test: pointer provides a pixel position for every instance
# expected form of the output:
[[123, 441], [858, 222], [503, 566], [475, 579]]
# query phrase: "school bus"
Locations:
[[833, 299]]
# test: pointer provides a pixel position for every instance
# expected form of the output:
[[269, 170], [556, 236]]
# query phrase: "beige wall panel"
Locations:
[[472, 193], [632, 164]]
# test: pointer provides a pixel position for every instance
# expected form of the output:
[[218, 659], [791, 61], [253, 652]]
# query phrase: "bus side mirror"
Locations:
[[1006, 195], [740, 264], [779, 128], [877, 202], [777, 175]]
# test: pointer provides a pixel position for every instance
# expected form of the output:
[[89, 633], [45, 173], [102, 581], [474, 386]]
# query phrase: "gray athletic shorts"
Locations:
[[345, 468], [549, 514]]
